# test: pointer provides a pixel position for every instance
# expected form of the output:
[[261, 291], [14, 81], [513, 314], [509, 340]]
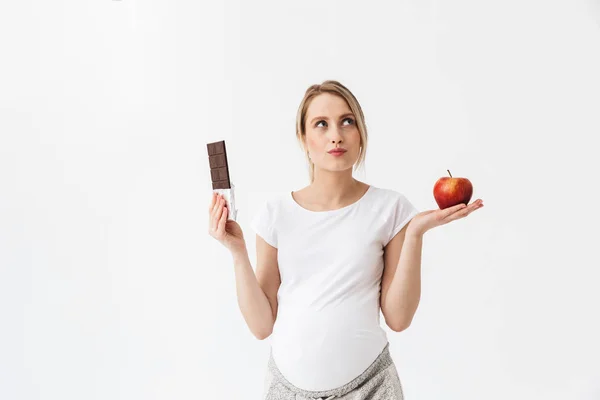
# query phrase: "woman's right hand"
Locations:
[[228, 232]]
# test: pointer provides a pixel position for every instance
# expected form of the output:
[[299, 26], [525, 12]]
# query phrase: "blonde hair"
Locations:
[[335, 88]]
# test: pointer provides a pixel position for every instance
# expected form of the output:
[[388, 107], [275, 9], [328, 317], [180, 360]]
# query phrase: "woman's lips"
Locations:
[[337, 153]]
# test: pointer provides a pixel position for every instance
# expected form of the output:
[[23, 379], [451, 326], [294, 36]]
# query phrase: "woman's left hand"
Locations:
[[426, 220]]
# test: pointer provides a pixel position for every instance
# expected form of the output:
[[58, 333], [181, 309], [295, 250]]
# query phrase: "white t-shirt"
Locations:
[[327, 330]]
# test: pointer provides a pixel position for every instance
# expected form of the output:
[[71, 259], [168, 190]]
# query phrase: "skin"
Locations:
[[330, 124]]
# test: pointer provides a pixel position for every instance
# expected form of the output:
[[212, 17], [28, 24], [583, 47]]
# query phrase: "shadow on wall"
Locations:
[[595, 10], [587, 389]]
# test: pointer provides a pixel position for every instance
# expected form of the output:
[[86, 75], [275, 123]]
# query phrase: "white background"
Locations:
[[111, 287]]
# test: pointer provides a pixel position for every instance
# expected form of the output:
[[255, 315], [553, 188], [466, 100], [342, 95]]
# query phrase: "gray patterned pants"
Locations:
[[378, 382]]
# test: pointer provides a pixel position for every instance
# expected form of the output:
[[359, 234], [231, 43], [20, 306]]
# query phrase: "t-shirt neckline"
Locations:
[[324, 212]]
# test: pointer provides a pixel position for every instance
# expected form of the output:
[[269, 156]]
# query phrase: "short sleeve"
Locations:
[[263, 223], [402, 212]]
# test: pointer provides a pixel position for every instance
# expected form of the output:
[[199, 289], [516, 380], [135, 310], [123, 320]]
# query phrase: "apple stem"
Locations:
[[449, 173]]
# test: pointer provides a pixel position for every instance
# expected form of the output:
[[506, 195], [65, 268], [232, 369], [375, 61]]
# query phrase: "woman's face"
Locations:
[[330, 124]]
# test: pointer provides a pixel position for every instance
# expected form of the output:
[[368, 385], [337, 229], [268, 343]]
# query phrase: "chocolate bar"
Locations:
[[219, 167], [219, 174]]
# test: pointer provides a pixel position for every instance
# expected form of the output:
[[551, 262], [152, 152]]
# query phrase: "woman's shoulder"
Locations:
[[392, 198], [388, 192], [273, 201]]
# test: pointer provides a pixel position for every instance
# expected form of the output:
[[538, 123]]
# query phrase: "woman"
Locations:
[[329, 257]]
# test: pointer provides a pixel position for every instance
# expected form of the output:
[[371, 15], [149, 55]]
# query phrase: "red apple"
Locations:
[[450, 191]]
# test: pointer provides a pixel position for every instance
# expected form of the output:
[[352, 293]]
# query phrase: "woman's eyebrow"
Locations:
[[341, 116]]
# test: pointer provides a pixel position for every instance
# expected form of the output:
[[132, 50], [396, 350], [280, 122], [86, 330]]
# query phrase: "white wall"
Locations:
[[111, 287]]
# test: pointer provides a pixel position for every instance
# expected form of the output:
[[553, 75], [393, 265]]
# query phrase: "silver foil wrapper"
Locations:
[[229, 195]]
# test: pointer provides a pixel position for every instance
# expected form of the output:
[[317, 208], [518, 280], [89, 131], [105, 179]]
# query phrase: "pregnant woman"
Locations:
[[330, 257]]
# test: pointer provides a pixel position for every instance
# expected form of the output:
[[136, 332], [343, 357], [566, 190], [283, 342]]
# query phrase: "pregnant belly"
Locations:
[[326, 349]]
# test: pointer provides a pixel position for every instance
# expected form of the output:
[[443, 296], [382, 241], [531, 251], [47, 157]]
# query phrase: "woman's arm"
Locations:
[[401, 281], [257, 293]]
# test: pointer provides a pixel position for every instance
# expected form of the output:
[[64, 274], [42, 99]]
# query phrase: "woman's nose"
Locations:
[[335, 135]]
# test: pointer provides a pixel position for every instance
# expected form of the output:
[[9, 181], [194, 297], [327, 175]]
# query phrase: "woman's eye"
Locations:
[[345, 119]]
